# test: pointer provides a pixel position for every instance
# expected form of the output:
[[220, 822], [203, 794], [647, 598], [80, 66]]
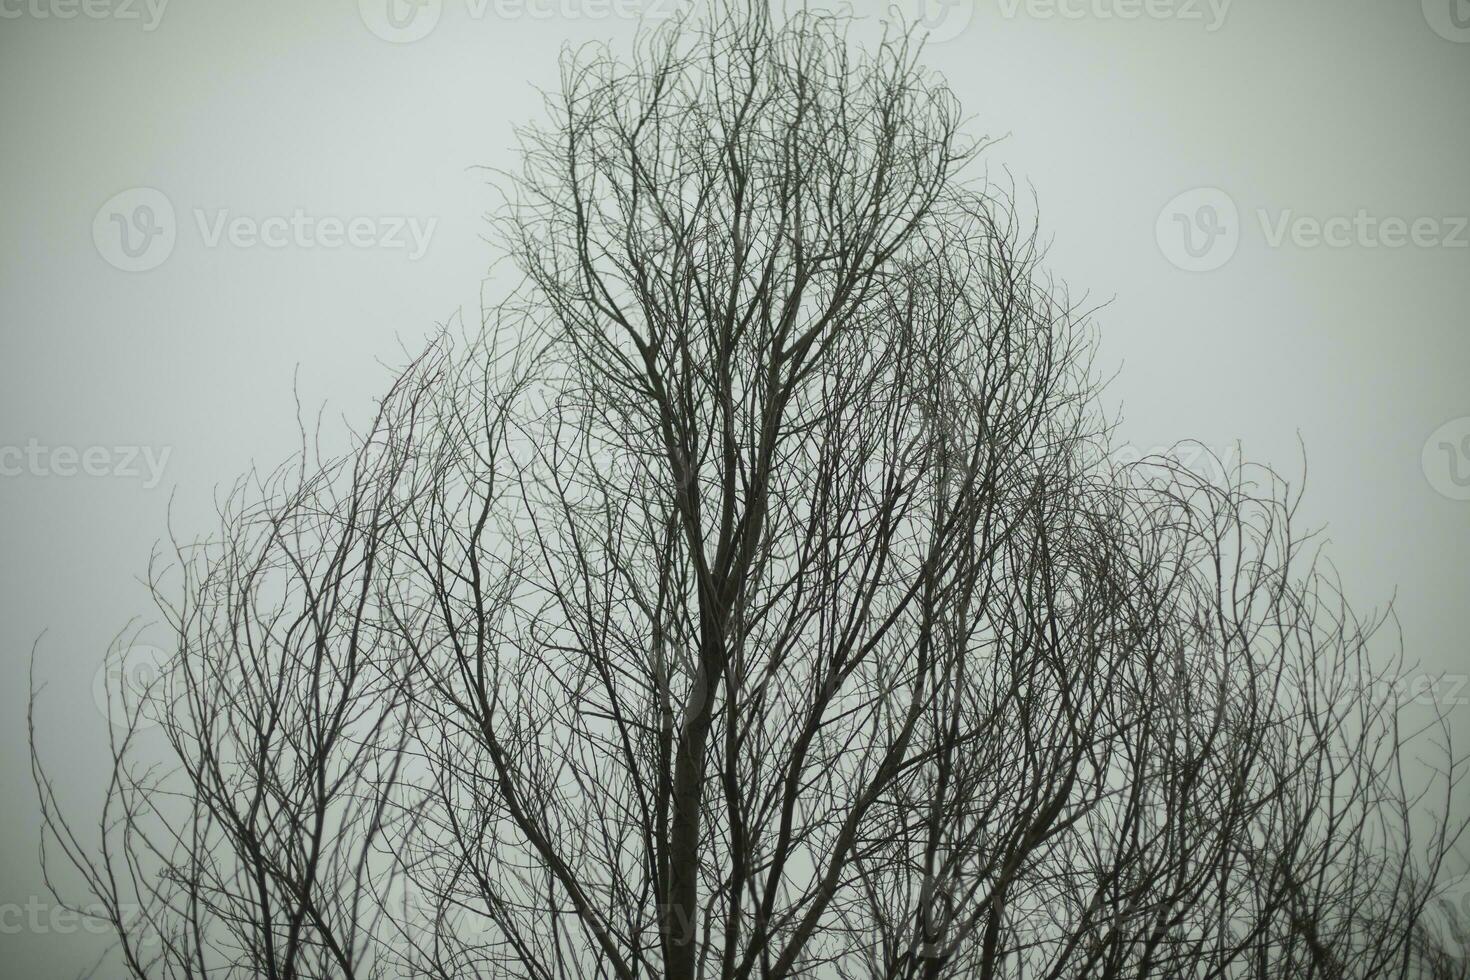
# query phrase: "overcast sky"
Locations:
[[203, 200]]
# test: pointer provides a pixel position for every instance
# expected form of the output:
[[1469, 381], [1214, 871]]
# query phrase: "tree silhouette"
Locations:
[[750, 596]]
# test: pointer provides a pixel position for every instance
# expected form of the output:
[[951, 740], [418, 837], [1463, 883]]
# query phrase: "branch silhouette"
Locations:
[[751, 596]]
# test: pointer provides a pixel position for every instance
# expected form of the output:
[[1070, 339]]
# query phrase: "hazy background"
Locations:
[[1295, 108]]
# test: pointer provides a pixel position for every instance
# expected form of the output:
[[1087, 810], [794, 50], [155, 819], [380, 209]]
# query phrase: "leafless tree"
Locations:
[[749, 595]]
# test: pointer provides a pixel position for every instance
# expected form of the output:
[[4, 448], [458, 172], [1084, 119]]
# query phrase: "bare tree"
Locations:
[[750, 596]]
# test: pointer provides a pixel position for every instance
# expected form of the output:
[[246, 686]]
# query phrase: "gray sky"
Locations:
[[1181, 153]]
